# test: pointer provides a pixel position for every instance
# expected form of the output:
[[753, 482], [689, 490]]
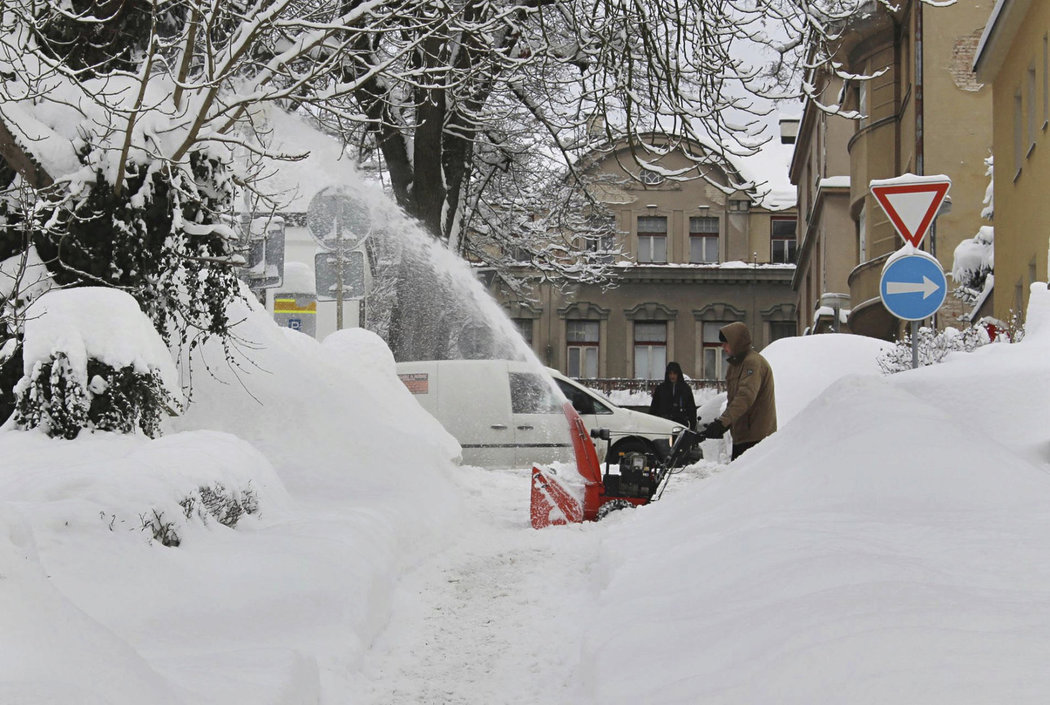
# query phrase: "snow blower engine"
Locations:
[[640, 478]]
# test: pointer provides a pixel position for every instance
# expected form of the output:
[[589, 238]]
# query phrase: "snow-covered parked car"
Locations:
[[629, 430]]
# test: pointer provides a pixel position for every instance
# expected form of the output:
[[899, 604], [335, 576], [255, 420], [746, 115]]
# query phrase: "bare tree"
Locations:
[[450, 92], [133, 123], [480, 112]]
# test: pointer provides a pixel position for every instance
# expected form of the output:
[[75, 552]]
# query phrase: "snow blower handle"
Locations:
[[685, 442]]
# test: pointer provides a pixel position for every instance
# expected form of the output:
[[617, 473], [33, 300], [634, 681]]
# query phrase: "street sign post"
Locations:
[[340, 274], [913, 286], [911, 202], [340, 221]]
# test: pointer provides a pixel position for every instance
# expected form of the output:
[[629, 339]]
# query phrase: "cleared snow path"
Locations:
[[495, 617], [499, 615]]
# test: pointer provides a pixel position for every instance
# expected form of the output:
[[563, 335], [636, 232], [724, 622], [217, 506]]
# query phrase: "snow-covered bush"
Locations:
[[973, 263], [92, 360], [974, 258], [934, 346], [119, 400], [208, 503]]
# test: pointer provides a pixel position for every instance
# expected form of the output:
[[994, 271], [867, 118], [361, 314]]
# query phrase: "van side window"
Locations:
[[531, 394], [583, 402]]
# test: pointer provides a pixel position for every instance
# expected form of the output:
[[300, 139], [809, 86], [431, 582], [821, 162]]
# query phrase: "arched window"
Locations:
[[650, 177]]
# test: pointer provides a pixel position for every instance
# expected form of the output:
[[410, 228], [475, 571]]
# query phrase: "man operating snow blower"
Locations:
[[751, 408]]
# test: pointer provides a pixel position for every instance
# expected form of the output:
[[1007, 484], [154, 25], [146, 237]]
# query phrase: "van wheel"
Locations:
[[628, 445], [613, 505]]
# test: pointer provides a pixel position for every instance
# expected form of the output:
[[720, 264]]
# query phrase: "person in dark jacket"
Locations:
[[673, 398], [751, 408]]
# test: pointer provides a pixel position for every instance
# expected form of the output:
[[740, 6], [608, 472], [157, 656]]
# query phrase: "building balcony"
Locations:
[[868, 316]]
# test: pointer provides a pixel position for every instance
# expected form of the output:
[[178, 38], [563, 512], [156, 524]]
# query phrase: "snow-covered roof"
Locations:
[[732, 264], [834, 182], [299, 278], [984, 49], [768, 169]]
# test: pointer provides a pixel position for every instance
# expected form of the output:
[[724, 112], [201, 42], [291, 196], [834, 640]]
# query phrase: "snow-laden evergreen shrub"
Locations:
[[973, 263], [92, 359], [160, 237], [55, 399]]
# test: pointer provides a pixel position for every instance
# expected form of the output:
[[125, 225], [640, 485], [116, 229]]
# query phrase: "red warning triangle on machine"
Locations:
[[911, 204]]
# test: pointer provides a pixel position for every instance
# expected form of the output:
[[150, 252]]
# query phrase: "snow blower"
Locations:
[[640, 478]]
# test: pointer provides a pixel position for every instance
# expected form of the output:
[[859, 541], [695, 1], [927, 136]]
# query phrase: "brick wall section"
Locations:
[[963, 53]]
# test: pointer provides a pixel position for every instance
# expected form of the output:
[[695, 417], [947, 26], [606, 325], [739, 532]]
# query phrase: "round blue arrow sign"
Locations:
[[913, 287]]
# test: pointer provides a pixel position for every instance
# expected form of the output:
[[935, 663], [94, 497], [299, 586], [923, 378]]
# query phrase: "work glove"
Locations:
[[715, 429]]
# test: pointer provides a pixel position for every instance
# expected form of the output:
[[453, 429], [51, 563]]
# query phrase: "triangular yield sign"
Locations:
[[911, 206]]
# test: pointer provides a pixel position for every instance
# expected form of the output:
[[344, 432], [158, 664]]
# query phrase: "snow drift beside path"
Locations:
[[803, 367], [75, 558], [333, 418], [889, 545], [354, 482]]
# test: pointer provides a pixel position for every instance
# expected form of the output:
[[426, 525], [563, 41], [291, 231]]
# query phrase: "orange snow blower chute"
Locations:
[[554, 503], [640, 480]]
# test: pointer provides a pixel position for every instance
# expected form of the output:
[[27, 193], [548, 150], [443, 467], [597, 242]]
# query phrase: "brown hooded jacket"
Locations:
[[751, 410]]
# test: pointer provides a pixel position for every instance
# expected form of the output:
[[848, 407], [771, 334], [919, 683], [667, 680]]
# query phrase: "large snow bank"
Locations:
[[333, 418], [804, 366], [354, 481], [93, 596], [889, 544]]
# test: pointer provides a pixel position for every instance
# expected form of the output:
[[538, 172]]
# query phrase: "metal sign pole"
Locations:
[[914, 344], [338, 275]]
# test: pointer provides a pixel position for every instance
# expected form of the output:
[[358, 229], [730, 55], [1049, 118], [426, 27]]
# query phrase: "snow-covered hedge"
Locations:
[[91, 359]]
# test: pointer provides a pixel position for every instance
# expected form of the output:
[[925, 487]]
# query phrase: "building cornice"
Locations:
[[671, 274], [1006, 18]]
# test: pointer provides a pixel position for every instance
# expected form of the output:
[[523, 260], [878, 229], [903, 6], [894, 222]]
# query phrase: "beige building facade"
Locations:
[[1014, 57], [696, 255], [920, 111]]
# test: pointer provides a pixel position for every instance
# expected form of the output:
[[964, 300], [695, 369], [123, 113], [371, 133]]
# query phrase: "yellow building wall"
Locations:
[[1022, 168], [958, 134]]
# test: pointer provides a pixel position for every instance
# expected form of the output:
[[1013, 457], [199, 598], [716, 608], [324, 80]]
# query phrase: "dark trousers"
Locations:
[[739, 448]]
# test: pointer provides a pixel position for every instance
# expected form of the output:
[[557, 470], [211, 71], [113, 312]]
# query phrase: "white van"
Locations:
[[504, 413], [507, 413], [629, 430]]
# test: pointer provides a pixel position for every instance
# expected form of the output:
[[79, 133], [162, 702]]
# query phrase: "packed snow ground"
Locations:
[[891, 543]]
